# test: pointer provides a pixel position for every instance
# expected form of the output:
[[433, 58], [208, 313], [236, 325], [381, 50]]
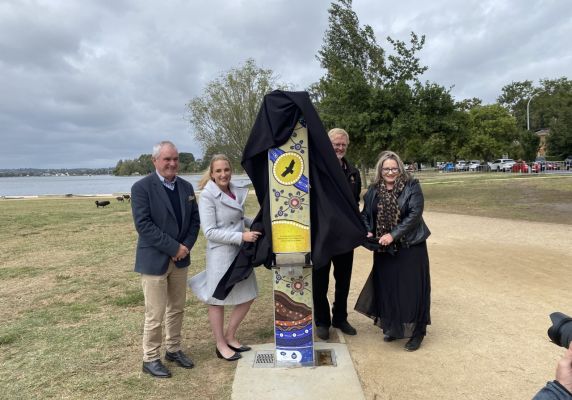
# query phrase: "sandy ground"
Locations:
[[494, 284]]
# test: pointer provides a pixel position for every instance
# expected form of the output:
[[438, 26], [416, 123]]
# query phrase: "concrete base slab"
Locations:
[[327, 382]]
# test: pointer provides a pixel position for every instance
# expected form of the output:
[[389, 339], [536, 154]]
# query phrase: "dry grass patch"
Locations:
[[72, 309]]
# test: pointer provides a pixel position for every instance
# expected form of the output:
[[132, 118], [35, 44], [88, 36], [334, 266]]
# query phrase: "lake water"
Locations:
[[82, 185]]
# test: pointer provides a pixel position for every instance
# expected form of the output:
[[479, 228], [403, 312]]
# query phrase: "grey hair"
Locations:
[[389, 155], [159, 146], [338, 131], [207, 174]]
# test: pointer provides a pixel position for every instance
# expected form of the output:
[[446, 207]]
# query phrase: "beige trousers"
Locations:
[[165, 297]]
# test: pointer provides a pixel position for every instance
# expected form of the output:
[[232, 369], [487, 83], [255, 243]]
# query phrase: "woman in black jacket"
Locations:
[[397, 293]]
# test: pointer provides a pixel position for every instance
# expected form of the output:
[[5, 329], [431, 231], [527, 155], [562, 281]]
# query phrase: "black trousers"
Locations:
[[320, 282]]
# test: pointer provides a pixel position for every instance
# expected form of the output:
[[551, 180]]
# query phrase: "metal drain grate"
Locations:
[[264, 359]]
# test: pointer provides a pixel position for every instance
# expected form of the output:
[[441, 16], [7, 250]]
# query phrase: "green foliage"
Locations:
[[224, 114], [560, 138], [143, 165], [549, 106], [363, 91]]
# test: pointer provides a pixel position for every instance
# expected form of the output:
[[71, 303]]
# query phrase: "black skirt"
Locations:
[[397, 293]]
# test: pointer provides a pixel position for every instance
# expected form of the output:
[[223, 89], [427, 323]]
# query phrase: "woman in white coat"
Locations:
[[221, 208]]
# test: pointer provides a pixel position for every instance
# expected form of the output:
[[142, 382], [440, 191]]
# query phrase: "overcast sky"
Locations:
[[86, 83]]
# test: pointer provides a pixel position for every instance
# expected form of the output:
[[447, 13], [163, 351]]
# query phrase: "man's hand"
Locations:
[[564, 370], [182, 253]]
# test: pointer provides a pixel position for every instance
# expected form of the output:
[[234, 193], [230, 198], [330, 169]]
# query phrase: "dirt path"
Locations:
[[494, 284]]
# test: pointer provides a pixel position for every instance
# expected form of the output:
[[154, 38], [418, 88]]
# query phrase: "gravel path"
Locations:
[[494, 284]]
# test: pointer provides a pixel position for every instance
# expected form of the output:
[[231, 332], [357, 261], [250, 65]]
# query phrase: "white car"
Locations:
[[461, 165], [474, 165], [502, 164]]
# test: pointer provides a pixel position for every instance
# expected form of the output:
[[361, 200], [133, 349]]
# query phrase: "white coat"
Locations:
[[223, 222]]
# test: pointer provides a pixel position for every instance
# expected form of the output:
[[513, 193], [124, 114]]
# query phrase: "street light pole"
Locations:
[[528, 109]]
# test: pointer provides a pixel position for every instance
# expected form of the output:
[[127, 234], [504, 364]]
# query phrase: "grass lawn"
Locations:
[[72, 309]]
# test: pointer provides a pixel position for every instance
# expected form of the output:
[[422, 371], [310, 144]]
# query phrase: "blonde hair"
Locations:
[[389, 155], [207, 174], [338, 131]]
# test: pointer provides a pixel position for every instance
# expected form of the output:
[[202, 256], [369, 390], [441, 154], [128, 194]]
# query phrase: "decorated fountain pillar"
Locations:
[[290, 214]]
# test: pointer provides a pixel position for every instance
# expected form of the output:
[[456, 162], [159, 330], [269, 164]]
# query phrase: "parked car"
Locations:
[[461, 165], [502, 164], [552, 166], [547, 165], [535, 167], [479, 166], [520, 166], [568, 163], [448, 167]]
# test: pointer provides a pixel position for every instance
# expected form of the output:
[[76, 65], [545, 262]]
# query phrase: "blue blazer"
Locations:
[[156, 223]]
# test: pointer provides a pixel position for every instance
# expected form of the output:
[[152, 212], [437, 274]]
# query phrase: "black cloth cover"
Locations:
[[336, 226]]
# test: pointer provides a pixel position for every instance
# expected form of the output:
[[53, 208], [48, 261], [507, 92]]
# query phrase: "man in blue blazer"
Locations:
[[166, 217]]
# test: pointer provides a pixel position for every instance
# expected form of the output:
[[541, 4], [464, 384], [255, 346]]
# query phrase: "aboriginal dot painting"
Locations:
[[293, 332], [290, 193], [290, 214]]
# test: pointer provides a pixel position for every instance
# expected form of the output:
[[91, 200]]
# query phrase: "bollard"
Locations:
[[292, 273]]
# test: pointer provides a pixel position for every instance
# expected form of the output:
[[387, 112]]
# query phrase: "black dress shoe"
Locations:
[[346, 328], [156, 368], [240, 349], [389, 338], [180, 358], [323, 332], [414, 343], [234, 357]]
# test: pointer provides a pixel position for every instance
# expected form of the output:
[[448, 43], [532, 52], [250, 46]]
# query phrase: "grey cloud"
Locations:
[[88, 83]]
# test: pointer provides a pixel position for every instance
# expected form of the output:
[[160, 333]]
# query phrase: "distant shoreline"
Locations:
[[60, 196]]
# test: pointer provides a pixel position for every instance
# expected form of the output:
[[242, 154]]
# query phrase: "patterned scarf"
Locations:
[[388, 215]]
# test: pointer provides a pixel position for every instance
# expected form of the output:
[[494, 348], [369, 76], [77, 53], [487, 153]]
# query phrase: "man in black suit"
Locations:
[[342, 262], [166, 217]]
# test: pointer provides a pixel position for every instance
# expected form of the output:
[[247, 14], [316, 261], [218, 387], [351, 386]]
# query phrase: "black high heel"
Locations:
[[234, 357]]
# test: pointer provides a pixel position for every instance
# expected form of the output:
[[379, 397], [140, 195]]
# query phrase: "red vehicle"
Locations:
[[552, 166], [536, 167], [520, 166]]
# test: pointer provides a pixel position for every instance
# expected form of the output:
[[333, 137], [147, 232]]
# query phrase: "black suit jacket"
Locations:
[[156, 223]]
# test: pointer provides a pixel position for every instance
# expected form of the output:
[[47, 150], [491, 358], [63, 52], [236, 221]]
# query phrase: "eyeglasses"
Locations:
[[388, 170], [342, 145]]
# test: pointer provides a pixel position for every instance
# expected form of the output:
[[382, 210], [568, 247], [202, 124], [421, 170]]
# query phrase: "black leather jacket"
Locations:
[[411, 229]]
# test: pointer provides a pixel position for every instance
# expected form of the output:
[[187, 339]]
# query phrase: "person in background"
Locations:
[[561, 387], [166, 217], [397, 293], [342, 262], [221, 208]]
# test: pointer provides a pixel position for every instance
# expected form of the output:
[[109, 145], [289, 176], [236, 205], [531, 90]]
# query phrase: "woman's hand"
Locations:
[[386, 240], [369, 234], [251, 236]]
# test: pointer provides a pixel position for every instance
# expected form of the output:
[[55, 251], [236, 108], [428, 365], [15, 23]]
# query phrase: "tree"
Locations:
[[225, 112], [493, 132], [428, 119], [143, 165], [361, 91], [549, 109], [560, 138]]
